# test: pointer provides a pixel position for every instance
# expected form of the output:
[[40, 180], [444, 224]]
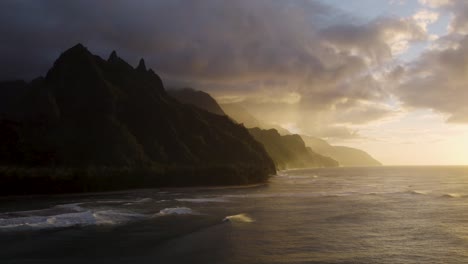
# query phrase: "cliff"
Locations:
[[346, 156], [289, 151], [196, 98], [91, 113]]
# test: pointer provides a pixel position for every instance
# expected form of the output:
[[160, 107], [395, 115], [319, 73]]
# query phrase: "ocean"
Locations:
[[333, 215]]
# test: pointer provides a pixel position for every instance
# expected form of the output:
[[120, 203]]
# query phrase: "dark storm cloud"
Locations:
[[300, 53], [208, 39]]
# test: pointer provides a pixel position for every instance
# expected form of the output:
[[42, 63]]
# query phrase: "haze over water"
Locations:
[[342, 215]]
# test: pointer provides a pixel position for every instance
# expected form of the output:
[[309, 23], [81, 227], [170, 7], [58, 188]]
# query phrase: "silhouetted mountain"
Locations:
[[241, 115], [196, 98], [346, 156], [10, 93], [289, 151], [92, 113]]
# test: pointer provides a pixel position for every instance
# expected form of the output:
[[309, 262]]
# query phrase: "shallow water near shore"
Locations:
[[340, 215]]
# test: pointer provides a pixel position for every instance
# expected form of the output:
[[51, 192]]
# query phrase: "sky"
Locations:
[[387, 76]]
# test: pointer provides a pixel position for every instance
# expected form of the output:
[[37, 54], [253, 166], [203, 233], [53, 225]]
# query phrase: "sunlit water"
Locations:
[[343, 215]]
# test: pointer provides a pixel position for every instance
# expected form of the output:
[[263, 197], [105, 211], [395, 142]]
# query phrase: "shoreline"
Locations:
[[18, 181], [125, 191]]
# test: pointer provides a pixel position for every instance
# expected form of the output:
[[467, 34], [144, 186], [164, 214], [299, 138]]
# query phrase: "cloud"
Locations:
[[438, 80], [459, 24], [397, 2], [425, 17], [363, 113], [436, 3], [295, 59], [458, 9], [376, 41]]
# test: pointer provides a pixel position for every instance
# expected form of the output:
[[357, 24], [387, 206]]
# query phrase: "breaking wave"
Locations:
[[239, 218], [452, 195], [66, 215], [175, 211], [417, 192], [140, 201]]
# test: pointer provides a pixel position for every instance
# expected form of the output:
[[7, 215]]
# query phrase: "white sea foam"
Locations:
[[67, 220], [418, 192], [281, 174], [47, 222], [66, 215], [58, 209], [112, 217], [72, 206], [175, 211], [239, 218], [140, 201], [144, 200], [452, 195]]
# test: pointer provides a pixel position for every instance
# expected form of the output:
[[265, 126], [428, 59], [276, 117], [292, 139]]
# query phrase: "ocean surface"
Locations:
[[341, 215]]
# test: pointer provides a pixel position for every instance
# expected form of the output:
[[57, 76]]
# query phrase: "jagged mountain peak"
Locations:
[[141, 65], [74, 52], [78, 47], [113, 56], [94, 112], [74, 61]]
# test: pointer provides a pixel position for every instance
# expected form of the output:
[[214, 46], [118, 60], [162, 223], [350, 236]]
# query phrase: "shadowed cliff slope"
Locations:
[[197, 98], [346, 156], [289, 151], [92, 113], [241, 115]]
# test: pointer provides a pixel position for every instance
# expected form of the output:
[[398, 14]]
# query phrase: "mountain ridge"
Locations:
[[287, 151], [290, 151], [94, 113], [196, 98], [346, 156]]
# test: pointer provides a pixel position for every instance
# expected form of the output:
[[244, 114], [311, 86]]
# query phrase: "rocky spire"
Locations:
[[113, 56], [141, 65]]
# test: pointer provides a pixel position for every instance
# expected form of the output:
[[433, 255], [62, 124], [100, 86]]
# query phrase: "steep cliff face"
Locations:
[[289, 151], [346, 156], [286, 150], [93, 112]]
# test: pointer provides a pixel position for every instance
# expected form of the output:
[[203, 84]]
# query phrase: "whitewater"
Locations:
[[338, 215]]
